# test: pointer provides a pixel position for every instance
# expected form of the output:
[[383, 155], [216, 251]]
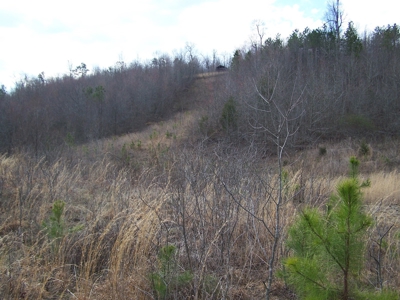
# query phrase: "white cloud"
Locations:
[[367, 15], [226, 26]]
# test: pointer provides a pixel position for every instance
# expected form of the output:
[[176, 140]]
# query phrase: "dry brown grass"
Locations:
[[210, 74], [216, 206]]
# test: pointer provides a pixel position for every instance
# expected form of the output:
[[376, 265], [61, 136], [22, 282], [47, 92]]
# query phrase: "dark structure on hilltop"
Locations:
[[221, 68]]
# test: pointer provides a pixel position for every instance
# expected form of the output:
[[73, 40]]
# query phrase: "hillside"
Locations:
[[160, 180], [174, 185]]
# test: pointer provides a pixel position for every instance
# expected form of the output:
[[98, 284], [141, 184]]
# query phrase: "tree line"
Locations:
[[42, 114], [328, 86]]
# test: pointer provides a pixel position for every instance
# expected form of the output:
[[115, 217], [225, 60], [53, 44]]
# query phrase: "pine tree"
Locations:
[[328, 248], [352, 41]]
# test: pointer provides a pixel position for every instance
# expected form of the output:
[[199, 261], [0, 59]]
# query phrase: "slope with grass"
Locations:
[[182, 182]]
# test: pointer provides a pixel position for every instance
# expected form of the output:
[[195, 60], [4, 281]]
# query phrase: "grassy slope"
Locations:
[[136, 193]]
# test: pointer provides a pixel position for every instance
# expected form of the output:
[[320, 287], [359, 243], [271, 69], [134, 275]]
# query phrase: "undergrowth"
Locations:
[[212, 207]]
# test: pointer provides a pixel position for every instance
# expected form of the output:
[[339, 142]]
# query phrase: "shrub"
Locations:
[[229, 116], [70, 140], [364, 149], [204, 125], [168, 277], [55, 225], [358, 124], [322, 151]]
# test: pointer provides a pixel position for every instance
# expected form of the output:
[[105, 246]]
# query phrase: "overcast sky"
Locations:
[[48, 36]]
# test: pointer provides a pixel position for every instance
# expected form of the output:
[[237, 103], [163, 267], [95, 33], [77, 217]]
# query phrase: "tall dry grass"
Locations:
[[214, 202]]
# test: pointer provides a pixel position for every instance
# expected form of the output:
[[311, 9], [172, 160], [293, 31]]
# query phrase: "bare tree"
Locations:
[[260, 31], [334, 17], [283, 119]]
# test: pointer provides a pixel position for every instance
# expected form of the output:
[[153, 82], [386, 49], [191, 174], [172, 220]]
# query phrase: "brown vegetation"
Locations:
[[214, 165], [209, 203]]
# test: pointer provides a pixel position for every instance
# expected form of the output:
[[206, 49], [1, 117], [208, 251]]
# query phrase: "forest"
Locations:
[[275, 178]]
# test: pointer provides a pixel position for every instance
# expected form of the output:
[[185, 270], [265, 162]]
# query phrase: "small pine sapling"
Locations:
[[328, 248], [168, 278], [55, 225]]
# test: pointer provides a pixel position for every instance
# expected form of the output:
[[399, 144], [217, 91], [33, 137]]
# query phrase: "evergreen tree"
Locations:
[[235, 60], [328, 249], [295, 40], [229, 116], [352, 41]]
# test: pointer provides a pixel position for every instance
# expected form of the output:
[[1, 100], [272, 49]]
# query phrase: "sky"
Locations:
[[52, 36]]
